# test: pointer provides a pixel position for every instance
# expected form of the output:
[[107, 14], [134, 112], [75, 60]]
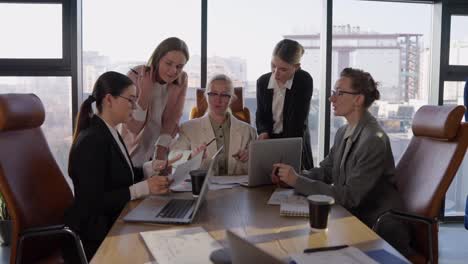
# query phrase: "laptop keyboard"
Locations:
[[176, 208]]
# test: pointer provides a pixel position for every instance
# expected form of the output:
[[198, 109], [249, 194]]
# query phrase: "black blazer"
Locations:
[[101, 178], [295, 111]]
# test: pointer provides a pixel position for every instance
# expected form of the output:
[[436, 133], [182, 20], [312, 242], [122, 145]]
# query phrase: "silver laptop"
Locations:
[[244, 252], [264, 153], [169, 210]]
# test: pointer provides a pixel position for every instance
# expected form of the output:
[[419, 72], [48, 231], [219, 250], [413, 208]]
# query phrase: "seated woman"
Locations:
[[103, 174], [222, 127], [359, 170]]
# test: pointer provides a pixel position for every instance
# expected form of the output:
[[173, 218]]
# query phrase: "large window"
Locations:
[[54, 93], [396, 54], [122, 34], [36, 57], [456, 195], [459, 40], [30, 31], [241, 38]]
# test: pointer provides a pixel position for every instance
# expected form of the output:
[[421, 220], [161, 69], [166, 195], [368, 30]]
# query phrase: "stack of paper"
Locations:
[[181, 174], [227, 182], [190, 245]]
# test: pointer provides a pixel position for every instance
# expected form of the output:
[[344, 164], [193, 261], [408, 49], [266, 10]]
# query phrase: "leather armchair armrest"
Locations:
[[429, 222], [50, 231]]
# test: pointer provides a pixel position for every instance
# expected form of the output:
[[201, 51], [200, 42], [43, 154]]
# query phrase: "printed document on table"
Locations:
[[229, 179], [349, 255], [190, 245], [181, 174]]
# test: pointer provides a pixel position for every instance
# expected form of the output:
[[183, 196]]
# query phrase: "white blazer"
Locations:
[[195, 132]]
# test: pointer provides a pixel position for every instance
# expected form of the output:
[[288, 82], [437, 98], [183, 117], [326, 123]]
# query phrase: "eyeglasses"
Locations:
[[224, 96], [130, 100], [340, 93]]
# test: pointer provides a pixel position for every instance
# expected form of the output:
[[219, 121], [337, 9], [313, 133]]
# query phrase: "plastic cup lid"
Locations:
[[321, 199]]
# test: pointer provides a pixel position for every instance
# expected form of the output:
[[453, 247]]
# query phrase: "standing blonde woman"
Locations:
[[283, 98], [161, 89]]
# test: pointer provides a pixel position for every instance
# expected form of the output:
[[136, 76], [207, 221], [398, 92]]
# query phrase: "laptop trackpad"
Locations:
[[147, 209]]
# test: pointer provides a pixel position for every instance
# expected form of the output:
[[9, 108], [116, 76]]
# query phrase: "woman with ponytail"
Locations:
[[100, 167], [359, 170]]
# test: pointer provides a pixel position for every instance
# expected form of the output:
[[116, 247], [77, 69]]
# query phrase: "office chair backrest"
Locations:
[[34, 188], [237, 105], [431, 161]]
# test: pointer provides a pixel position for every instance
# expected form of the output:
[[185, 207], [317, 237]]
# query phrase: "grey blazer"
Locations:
[[364, 184]]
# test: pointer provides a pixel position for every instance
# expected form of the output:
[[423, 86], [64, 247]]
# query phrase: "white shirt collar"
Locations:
[[273, 84], [111, 129]]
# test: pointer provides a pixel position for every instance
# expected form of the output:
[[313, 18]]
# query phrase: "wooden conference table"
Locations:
[[245, 211]]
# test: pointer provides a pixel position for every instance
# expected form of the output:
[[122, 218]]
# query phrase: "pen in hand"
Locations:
[[134, 71], [211, 141]]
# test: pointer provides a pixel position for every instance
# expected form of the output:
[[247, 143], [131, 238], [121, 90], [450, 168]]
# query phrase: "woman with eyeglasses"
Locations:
[[359, 170], [103, 174], [161, 89], [283, 98], [218, 128]]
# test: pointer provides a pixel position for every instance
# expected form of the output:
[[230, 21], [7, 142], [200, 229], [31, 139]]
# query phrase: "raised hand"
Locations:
[[199, 149], [145, 86], [160, 165]]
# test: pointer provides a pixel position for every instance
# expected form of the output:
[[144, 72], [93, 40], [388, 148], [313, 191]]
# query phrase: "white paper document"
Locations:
[[279, 195], [190, 245], [349, 255], [214, 187], [229, 179], [183, 159], [181, 174]]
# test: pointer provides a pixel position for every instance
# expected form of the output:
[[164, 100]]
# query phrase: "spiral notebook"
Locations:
[[294, 205]]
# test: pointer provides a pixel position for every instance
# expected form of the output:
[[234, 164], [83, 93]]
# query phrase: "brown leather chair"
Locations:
[[237, 105], [425, 172], [34, 188]]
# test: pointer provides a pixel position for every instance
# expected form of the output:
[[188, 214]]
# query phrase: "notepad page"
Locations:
[[190, 245], [294, 205]]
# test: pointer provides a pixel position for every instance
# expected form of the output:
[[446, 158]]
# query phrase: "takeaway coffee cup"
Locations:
[[319, 209], [197, 178]]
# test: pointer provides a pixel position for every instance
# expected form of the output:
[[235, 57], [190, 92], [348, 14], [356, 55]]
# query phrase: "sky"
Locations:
[[130, 30]]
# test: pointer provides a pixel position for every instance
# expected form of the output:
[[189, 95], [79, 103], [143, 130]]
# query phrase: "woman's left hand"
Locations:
[[286, 173], [159, 165]]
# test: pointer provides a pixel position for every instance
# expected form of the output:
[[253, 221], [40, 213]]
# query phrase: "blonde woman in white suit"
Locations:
[[217, 128]]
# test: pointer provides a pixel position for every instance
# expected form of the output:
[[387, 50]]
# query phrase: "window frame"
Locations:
[[44, 67]]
